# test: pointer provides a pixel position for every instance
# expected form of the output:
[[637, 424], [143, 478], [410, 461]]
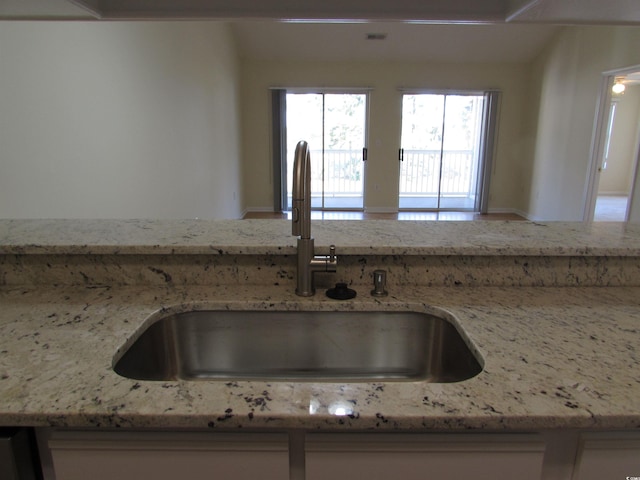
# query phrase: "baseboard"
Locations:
[[514, 211], [258, 209], [613, 194], [380, 210]]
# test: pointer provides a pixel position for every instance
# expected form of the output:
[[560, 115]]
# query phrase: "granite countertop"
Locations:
[[553, 358], [267, 237]]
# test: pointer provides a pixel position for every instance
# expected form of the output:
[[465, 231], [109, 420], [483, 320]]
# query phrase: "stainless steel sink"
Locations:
[[300, 346]]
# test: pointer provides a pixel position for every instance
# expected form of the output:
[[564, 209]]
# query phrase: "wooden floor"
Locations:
[[358, 215]]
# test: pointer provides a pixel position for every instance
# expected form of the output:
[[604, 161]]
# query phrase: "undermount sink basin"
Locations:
[[300, 346]]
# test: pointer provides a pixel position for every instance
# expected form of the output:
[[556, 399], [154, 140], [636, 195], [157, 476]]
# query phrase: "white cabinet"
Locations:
[[608, 456], [296, 455], [135, 456], [424, 457]]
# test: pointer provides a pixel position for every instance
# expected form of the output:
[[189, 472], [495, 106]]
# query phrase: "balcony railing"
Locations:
[[420, 173], [343, 173]]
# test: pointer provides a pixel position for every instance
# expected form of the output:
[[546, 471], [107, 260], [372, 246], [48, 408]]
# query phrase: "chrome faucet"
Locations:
[[308, 262]]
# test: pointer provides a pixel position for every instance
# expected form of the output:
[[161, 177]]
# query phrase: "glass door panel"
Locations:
[[344, 138], [422, 122], [305, 117], [441, 143], [461, 142], [334, 127]]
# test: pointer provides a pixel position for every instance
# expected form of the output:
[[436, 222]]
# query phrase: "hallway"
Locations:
[[610, 208]]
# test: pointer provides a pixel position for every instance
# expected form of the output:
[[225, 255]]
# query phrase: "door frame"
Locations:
[[490, 117], [598, 144], [279, 140]]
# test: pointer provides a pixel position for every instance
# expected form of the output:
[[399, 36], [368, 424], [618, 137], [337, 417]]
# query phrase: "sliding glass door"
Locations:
[[334, 125], [442, 140]]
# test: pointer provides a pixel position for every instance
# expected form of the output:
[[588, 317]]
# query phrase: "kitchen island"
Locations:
[[551, 310]]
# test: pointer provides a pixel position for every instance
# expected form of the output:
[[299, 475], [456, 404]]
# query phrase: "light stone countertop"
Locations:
[[553, 358], [267, 237]]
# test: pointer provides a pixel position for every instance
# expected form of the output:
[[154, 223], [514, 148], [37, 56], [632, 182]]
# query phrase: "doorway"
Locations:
[[334, 125], [615, 155], [444, 143]]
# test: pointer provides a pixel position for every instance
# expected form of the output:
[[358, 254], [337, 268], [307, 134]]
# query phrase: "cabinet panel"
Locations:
[[133, 456], [609, 455], [424, 457]]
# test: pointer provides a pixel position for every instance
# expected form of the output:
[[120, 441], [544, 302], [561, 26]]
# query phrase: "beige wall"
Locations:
[[134, 119], [382, 170], [616, 177], [119, 120], [568, 78]]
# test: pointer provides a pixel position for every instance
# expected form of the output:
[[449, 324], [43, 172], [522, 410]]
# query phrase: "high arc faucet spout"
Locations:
[[307, 262], [301, 195]]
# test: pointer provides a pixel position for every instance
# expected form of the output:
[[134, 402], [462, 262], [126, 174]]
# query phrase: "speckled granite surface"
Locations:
[[262, 252], [280, 270], [371, 237], [553, 357]]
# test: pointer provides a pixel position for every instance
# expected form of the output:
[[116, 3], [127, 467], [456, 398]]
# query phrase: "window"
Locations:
[[334, 125], [445, 148]]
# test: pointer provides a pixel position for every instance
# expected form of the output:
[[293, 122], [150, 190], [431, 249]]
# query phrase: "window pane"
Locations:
[[422, 117], [441, 139], [334, 126], [345, 116], [458, 183], [304, 122]]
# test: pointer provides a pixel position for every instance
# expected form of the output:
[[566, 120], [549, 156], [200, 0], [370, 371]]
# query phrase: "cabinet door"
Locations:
[[135, 456], [423, 457], [609, 456]]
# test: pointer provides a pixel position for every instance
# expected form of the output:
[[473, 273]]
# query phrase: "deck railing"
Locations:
[[343, 173], [419, 174]]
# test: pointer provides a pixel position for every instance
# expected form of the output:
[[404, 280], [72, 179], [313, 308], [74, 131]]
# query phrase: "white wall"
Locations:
[[567, 76], [146, 117], [382, 169], [119, 120]]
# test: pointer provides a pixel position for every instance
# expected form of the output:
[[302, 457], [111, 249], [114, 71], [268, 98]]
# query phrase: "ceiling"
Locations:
[[438, 11], [269, 40], [41, 9], [630, 79], [415, 30]]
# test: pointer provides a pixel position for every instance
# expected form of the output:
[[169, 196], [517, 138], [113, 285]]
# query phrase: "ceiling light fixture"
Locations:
[[618, 87]]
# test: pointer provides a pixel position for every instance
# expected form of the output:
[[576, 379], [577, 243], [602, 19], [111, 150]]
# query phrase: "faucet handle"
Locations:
[[332, 253], [295, 221]]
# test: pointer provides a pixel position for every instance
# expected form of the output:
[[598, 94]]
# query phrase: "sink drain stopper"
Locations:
[[341, 292]]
